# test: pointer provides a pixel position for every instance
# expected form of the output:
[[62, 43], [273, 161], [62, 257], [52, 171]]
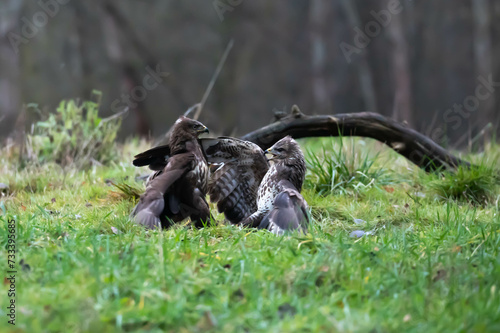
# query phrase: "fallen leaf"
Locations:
[[389, 189], [23, 207]]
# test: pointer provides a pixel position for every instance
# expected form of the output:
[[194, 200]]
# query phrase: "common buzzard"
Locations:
[[245, 187], [280, 205], [238, 168], [178, 188]]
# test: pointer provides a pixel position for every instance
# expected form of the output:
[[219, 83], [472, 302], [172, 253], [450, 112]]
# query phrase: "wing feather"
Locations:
[[156, 158], [289, 213], [234, 184], [152, 203], [239, 169]]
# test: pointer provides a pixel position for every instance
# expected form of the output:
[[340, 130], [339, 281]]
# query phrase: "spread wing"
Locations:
[[156, 158], [152, 203], [238, 167], [289, 212]]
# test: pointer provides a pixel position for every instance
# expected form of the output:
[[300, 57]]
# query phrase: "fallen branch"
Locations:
[[407, 142], [413, 145]]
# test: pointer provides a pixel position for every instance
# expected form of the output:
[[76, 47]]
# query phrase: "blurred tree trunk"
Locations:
[[10, 104], [364, 71], [84, 42], [483, 53], [401, 70], [496, 64], [318, 12], [113, 22]]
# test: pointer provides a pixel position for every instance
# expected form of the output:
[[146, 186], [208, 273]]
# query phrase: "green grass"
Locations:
[[342, 167], [427, 264]]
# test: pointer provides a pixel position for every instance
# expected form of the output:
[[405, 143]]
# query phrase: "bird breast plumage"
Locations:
[[268, 190], [201, 173]]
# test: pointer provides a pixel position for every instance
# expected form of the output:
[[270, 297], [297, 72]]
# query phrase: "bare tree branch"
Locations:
[[214, 78]]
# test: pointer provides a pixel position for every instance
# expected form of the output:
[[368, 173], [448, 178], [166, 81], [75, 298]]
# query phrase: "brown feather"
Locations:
[[177, 190], [239, 168]]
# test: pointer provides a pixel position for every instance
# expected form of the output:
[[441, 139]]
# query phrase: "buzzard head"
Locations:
[[189, 126], [290, 161], [185, 129], [284, 149]]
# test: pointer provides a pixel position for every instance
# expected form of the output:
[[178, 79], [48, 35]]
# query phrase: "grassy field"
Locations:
[[428, 261]]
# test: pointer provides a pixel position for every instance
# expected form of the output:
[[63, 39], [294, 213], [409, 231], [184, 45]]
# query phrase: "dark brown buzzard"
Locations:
[[178, 188]]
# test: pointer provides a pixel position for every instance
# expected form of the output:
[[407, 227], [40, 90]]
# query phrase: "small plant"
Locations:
[[128, 192], [342, 169], [74, 135], [475, 184]]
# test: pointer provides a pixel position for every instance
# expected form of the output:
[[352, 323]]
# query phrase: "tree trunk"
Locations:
[[483, 54], [364, 71], [401, 71], [318, 11], [10, 105]]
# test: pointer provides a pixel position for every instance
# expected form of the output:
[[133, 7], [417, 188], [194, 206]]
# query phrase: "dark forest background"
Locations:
[[426, 62]]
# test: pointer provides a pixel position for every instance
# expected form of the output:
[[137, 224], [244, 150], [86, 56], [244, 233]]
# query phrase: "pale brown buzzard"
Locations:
[[281, 208]]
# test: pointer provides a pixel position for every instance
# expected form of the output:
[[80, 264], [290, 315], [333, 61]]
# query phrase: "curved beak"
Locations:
[[203, 130], [270, 151]]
